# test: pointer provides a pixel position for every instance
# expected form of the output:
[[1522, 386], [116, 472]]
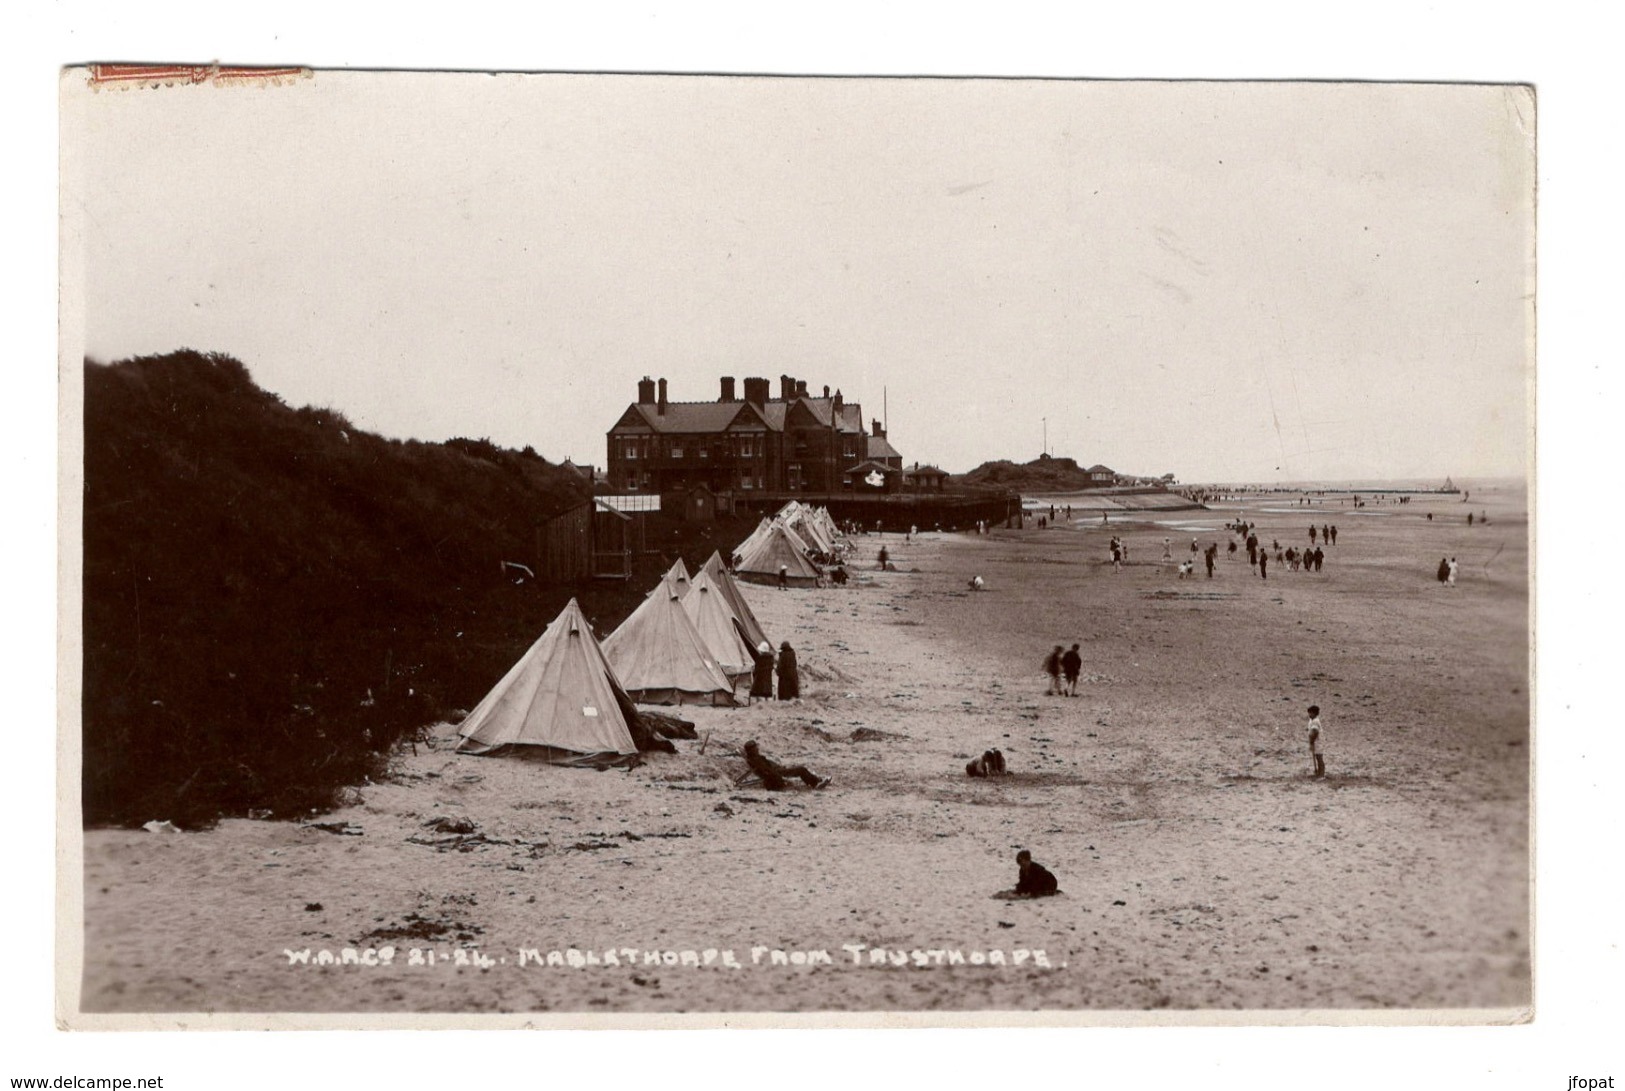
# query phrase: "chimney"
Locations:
[[662, 397], [826, 390], [756, 391], [787, 388], [727, 389], [801, 388], [877, 430], [646, 391], [838, 402]]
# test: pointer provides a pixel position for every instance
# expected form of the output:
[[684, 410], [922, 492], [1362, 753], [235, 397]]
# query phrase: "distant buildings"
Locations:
[[795, 442]]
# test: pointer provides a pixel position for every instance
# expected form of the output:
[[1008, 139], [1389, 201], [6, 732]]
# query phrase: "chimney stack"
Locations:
[[756, 391], [727, 389], [877, 430], [801, 388], [787, 388], [646, 391], [826, 390], [662, 397], [838, 402]]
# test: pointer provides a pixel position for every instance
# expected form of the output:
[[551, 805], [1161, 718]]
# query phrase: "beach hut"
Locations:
[[779, 547], [749, 627], [562, 697], [713, 616], [660, 657]]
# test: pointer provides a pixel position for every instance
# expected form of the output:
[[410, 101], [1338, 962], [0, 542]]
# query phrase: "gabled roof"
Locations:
[[880, 447], [928, 471], [869, 465], [1097, 468], [681, 418]]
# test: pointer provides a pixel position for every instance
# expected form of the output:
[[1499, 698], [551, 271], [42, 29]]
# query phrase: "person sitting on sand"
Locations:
[[838, 576], [990, 764], [775, 776], [1035, 880], [1186, 568], [976, 583]]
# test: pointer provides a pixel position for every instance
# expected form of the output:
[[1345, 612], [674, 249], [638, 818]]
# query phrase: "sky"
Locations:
[[1223, 281]]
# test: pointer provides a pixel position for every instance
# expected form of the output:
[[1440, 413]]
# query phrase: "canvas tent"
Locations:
[[744, 617], [800, 519], [661, 658], [562, 696], [754, 536], [678, 575], [712, 614], [778, 547]]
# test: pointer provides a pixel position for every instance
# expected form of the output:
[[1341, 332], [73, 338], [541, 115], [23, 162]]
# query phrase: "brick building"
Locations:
[[749, 441]]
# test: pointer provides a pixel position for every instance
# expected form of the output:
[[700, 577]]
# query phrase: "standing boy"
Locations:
[[1314, 741]]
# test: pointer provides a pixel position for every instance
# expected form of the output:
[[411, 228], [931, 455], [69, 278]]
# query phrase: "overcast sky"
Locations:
[[1222, 281]]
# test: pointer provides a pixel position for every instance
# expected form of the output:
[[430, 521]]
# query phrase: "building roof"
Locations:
[[928, 471], [687, 417], [1097, 468], [880, 447], [684, 418], [868, 466]]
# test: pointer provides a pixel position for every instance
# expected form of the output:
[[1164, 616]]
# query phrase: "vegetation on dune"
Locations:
[[1041, 474], [273, 599]]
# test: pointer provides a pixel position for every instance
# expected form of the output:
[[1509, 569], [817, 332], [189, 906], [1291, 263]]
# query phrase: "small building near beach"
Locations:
[[924, 479], [872, 477]]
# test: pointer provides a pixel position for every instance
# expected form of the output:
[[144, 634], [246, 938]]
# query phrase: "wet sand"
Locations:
[[1201, 867]]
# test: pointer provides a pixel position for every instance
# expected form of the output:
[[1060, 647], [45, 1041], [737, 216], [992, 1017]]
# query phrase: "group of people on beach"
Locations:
[[761, 681], [1065, 665]]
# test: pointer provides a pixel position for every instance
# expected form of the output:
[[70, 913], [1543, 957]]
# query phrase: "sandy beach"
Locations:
[[1200, 866]]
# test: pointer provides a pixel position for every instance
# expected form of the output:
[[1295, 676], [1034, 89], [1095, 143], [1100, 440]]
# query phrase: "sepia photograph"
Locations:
[[504, 594]]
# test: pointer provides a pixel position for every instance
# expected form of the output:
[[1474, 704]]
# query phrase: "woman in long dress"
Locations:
[[789, 679], [761, 683]]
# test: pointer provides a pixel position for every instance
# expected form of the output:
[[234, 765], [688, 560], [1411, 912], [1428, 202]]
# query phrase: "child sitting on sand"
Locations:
[[1035, 880], [990, 764]]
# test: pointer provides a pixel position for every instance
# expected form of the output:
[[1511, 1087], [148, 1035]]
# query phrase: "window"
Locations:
[[676, 450]]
